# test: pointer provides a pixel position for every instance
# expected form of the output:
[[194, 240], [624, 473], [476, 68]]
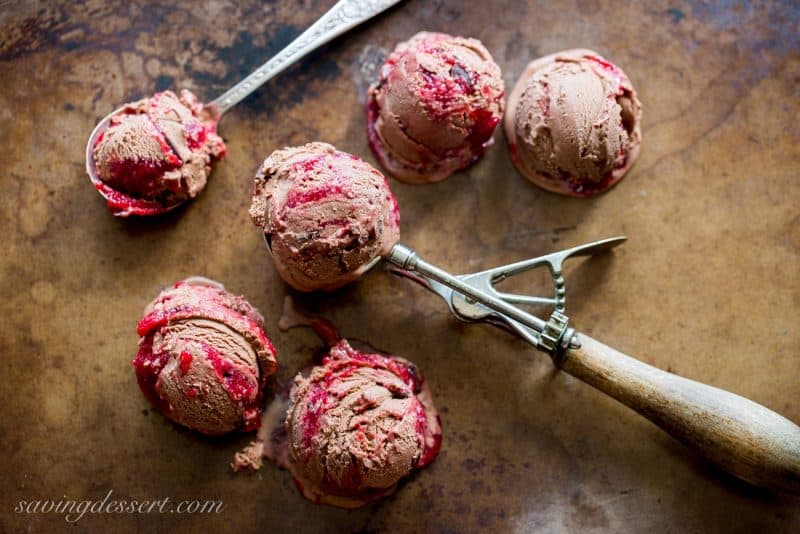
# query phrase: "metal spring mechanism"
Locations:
[[473, 297]]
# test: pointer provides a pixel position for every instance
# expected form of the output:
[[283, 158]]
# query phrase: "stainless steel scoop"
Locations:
[[738, 435], [342, 17], [734, 433]]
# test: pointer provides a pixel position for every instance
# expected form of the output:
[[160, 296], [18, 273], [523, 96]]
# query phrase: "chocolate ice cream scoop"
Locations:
[[156, 153], [435, 108], [326, 215], [152, 166], [350, 429], [357, 425], [204, 357], [573, 123]]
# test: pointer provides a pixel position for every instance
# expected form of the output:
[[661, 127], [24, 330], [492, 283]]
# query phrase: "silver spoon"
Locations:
[[343, 16]]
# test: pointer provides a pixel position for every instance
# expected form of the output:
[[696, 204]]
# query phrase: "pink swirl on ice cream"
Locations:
[[435, 108], [357, 425], [349, 429], [326, 215], [204, 357], [156, 153]]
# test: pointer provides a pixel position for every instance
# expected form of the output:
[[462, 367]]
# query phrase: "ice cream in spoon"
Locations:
[[156, 153]]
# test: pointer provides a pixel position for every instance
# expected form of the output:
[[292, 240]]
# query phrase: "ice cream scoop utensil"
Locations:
[[738, 435], [343, 16]]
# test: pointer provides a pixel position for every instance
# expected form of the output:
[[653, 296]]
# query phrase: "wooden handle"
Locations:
[[740, 436]]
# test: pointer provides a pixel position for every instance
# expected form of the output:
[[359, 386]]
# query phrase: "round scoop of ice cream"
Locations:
[[357, 425], [435, 108], [573, 123], [326, 215], [156, 153], [204, 357]]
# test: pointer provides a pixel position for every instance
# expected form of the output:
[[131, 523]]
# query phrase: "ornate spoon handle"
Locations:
[[343, 16]]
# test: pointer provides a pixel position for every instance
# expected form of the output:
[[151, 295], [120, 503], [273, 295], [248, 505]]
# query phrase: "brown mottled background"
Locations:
[[708, 285]]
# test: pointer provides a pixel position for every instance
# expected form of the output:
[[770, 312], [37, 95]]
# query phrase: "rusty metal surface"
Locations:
[[708, 285]]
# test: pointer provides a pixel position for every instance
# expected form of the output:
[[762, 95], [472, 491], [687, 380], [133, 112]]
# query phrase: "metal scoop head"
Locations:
[[473, 297]]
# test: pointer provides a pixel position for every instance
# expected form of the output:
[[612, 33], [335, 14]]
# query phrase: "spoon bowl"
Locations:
[[343, 16], [120, 203]]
